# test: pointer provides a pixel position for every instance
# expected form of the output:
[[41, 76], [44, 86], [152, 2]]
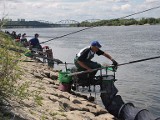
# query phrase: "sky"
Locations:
[[79, 10]]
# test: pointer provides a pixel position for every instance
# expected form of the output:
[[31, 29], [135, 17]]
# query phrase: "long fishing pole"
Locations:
[[82, 72], [139, 60], [136, 61], [140, 12], [95, 26], [40, 36], [66, 35]]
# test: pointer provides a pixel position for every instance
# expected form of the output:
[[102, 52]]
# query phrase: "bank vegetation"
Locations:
[[120, 22]]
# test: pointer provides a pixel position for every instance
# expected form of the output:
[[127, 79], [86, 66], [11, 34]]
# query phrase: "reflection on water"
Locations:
[[138, 83]]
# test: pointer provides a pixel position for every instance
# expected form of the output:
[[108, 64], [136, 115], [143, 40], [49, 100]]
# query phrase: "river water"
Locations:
[[138, 83]]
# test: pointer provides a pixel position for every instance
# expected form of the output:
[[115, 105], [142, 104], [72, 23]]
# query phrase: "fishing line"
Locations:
[[95, 26]]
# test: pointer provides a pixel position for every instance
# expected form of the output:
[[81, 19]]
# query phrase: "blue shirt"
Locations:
[[34, 42]]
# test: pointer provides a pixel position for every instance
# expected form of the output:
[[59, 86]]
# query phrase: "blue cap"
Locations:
[[96, 44]]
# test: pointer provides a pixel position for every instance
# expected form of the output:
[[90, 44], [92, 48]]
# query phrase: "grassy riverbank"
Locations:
[[29, 90]]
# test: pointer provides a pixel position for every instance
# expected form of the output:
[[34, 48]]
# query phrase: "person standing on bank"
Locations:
[[83, 58]]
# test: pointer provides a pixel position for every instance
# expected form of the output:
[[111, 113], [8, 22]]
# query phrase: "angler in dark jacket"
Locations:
[[83, 58]]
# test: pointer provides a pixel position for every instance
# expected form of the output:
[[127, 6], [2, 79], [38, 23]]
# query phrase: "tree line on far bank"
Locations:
[[119, 22], [111, 22]]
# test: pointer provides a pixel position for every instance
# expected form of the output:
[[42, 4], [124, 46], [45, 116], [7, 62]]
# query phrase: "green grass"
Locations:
[[38, 100]]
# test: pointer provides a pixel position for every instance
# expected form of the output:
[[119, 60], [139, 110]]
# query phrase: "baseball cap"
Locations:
[[96, 44]]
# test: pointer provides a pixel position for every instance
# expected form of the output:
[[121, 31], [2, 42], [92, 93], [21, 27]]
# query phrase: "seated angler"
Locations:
[[83, 58], [34, 43], [23, 40]]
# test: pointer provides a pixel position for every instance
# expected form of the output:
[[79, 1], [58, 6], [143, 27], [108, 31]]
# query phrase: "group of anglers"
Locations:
[[82, 59], [83, 62], [32, 43], [35, 48]]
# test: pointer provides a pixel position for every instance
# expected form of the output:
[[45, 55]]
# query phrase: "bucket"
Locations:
[[64, 78], [65, 87]]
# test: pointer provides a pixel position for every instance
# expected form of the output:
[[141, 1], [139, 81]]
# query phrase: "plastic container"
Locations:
[[64, 78]]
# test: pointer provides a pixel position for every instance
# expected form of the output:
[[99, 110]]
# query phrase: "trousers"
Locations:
[[90, 64]]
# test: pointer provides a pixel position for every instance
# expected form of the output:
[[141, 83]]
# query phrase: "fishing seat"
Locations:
[[84, 80]]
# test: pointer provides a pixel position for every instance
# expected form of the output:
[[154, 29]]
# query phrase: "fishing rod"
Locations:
[[82, 72], [66, 34], [95, 26], [107, 66], [140, 12], [151, 58], [50, 59], [65, 63], [39, 36]]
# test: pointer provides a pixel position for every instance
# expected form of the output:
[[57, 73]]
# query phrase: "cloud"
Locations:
[[151, 1], [123, 1], [56, 10], [122, 7], [125, 7]]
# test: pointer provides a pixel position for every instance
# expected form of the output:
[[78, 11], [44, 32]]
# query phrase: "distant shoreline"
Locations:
[[113, 22], [77, 27]]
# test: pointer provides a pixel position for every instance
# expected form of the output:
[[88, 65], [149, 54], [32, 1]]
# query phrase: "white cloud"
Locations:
[[122, 7], [151, 1], [125, 7], [116, 8], [121, 0], [56, 10]]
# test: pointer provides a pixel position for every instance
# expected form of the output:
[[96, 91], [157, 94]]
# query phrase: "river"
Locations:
[[138, 83]]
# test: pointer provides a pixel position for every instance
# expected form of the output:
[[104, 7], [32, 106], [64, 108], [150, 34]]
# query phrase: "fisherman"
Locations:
[[34, 42], [24, 40], [83, 58], [13, 35]]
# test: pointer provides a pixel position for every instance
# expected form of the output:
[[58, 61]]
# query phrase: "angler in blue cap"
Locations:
[[83, 58]]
